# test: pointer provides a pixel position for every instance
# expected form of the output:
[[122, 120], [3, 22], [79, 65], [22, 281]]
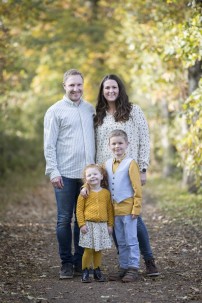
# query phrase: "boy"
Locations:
[[125, 187]]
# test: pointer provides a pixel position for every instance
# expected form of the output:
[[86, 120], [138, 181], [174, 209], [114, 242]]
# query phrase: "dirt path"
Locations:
[[29, 262]]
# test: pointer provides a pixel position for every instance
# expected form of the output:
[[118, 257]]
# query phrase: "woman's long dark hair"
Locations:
[[123, 105]]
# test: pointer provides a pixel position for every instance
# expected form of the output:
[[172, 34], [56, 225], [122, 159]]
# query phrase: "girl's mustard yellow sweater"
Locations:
[[97, 207]]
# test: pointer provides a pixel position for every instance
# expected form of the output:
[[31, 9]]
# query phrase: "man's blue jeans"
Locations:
[[66, 199], [143, 239]]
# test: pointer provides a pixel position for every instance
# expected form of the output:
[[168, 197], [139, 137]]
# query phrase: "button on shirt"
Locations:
[[69, 143]]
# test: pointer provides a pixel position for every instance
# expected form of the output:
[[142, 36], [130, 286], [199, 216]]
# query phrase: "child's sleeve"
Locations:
[[80, 211], [110, 210], [134, 175]]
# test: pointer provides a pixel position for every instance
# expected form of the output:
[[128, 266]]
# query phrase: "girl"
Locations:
[[95, 219]]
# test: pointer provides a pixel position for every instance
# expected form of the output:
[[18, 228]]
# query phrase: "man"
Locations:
[[69, 146]]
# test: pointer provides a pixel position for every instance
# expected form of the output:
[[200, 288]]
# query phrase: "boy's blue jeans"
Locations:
[[126, 234], [66, 199], [143, 239]]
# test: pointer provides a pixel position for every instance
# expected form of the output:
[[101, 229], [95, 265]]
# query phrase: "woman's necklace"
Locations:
[[111, 111]]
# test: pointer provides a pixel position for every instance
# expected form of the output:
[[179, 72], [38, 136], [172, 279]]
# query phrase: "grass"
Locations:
[[174, 200], [168, 194]]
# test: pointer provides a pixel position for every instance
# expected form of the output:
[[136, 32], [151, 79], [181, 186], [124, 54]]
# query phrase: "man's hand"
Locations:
[[57, 182], [143, 177], [84, 229]]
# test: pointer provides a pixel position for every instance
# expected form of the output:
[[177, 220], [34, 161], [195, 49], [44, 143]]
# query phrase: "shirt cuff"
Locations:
[[143, 166], [54, 174], [136, 210]]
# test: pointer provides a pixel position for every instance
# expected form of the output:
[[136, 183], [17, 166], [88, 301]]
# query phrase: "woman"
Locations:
[[115, 111]]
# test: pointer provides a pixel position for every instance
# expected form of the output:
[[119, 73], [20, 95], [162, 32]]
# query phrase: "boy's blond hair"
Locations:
[[118, 133]]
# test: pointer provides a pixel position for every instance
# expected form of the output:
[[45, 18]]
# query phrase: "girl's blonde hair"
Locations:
[[104, 181]]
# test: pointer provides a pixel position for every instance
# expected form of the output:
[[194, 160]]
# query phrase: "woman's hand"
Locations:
[[143, 177], [84, 192], [84, 229], [134, 217]]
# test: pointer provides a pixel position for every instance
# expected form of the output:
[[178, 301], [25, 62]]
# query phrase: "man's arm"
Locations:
[[51, 131]]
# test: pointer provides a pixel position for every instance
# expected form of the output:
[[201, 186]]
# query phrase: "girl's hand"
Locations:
[[84, 192], [84, 229], [134, 216], [110, 230]]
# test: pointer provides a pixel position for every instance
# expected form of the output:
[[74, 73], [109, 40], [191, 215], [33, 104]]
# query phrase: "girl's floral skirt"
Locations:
[[97, 236]]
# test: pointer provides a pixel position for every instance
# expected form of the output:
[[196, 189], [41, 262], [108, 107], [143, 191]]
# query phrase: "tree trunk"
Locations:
[[194, 75], [168, 167]]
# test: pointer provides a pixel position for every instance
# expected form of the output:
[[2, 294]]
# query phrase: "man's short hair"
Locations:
[[71, 72]]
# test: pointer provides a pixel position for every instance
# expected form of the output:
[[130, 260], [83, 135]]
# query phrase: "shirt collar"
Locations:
[[119, 160], [71, 102]]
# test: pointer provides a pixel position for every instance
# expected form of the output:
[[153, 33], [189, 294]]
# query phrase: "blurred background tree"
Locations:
[[154, 46]]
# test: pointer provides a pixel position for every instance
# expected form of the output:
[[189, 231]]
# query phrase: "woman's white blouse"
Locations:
[[138, 136]]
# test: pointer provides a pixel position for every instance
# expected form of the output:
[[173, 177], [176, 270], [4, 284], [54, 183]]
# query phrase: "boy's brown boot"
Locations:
[[151, 269], [131, 275], [117, 276]]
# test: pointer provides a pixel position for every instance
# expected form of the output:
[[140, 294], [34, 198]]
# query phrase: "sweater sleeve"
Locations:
[[110, 210], [134, 175], [80, 211], [144, 140]]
